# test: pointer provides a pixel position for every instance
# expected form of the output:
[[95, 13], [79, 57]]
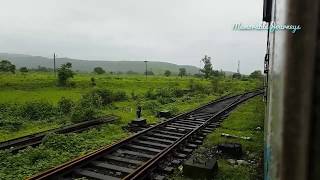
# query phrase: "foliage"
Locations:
[[207, 69], [134, 96], [93, 81], [217, 73], [37, 110], [7, 66], [91, 99], [131, 72], [256, 74], [42, 69], [167, 73], [236, 76], [65, 105], [216, 85], [149, 73], [10, 122], [99, 70], [83, 113], [23, 70], [56, 149], [119, 96], [65, 73], [152, 106], [197, 87], [182, 72]]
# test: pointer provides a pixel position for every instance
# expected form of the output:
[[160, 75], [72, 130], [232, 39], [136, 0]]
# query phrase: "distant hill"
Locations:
[[29, 61]]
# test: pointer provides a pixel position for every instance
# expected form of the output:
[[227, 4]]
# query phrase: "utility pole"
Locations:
[[146, 69], [54, 64], [238, 70], [200, 67]]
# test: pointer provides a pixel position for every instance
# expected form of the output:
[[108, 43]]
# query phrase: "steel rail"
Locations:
[[148, 167]]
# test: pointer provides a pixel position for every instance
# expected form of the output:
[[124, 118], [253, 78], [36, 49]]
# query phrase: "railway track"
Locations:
[[152, 153], [17, 144]]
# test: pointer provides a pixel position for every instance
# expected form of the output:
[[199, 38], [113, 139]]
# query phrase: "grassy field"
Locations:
[[242, 122], [22, 95]]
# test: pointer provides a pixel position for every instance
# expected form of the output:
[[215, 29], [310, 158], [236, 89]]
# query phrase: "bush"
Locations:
[[165, 100], [65, 73], [198, 87], [91, 100], [63, 142], [80, 114], [152, 106], [105, 95], [134, 96], [150, 94], [178, 92], [10, 123], [99, 70], [65, 105], [120, 96], [37, 110]]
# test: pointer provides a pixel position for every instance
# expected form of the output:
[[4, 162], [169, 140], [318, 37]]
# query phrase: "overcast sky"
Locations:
[[177, 31]]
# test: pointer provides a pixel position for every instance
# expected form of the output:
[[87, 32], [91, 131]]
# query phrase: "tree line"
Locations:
[[65, 71]]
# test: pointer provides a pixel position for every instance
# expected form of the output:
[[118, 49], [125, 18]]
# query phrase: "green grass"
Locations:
[[242, 122], [18, 88]]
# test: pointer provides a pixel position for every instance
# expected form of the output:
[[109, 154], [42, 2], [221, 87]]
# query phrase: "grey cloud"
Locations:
[[178, 31]]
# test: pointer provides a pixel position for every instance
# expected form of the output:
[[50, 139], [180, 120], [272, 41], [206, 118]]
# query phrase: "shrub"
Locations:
[[80, 114], [152, 106], [164, 95], [63, 142], [120, 96], [91, 99], [36, 110], [65, 73], [93, 81], [105, 95], [165, 100], [178, 92], [134, 96], [10, 123], [198, 87], [150, 94], [65, 105], [99, 70]]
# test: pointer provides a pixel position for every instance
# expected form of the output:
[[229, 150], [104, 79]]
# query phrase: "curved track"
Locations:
[[139, 155]]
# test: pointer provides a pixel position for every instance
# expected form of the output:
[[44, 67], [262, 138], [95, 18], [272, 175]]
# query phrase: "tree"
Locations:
[[167, 73], [256, 74], [236, 76], [65, 73], [23, 70], [207, 69], [99, 70], [7, 66], [130, 72], [93, 81], [149, 73], [182, 72]]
